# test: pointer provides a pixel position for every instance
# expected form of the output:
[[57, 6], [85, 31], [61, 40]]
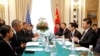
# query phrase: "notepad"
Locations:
[[33, 44], [34, 49], [81, 49]]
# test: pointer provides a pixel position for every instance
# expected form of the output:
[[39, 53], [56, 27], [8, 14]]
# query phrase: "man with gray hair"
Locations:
[[16, 41]]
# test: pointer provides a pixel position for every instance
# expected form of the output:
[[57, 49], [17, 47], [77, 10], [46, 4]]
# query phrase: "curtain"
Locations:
[[21, 9], [2, 12], [60, 5]]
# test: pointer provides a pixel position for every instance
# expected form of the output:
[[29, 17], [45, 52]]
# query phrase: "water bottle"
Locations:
[[72, 49], [47, 48], [90, 52], [43, 40], [53, 49], [63, 42]]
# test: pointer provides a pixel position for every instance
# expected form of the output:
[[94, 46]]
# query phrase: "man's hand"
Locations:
[[35, 39], [23, 45], [57, 36], [75, 39]]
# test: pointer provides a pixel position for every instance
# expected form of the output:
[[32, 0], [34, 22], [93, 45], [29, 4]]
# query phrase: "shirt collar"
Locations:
[[73, 31], [87, 29], [14, 31]]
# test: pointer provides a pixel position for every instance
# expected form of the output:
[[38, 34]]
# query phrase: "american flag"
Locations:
[[28, 19]]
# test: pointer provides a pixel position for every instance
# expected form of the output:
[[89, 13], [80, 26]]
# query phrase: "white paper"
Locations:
[[34, 49], [66, 42], [59, 39], [32, 44], [81, 49]]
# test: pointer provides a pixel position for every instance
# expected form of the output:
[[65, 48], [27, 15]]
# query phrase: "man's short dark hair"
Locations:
[[94, 25], [74, 25], [24, 23], [88, 21], [15, 22], [64, 23], [31, 25]]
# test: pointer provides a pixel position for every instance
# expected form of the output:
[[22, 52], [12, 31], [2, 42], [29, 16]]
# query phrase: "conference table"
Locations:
[[60, 51]]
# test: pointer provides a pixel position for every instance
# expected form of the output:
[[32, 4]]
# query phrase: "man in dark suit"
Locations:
[[63, 31], [24, 34], [15, 41], [5, 47], [30, 30], [97, 48], [96, 30], [74, 32], [88, 37]]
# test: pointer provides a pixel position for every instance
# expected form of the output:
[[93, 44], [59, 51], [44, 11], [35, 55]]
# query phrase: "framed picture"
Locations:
[[92, 14]]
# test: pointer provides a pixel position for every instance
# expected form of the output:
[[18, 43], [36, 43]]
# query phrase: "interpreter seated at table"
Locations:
[[63, 31], [5, 47], [88, 36], [74, 32]]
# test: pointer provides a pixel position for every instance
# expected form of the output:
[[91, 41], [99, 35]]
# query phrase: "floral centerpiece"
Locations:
[[42, 25]]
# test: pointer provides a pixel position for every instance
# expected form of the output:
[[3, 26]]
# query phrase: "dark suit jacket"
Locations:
[[97, 48], [16, 44], [5, 49], [76, 34], [14, 41], [97, 32], [23, 36], [61, 31], [30, 33], [89, 39], [0, 37]]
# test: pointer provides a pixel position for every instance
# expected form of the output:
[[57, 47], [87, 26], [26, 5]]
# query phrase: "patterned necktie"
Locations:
[[83, 35]]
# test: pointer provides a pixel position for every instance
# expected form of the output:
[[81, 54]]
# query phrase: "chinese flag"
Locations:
[[56, 20]]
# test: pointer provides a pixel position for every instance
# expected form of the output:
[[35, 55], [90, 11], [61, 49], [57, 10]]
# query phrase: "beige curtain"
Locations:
[[60, 5], [2, 11], [53, 8], [21, 8]]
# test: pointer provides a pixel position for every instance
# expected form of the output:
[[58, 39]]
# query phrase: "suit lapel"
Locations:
[[86, 34], [7, 45], [75, 32]]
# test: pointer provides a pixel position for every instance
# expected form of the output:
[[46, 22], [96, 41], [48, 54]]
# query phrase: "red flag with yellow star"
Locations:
[[56, 20]]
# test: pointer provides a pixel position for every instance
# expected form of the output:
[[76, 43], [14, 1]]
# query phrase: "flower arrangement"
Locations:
[[42, 25]]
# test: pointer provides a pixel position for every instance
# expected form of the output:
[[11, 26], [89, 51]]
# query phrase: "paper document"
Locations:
[[34, 49], [81, 49], [33, 44]]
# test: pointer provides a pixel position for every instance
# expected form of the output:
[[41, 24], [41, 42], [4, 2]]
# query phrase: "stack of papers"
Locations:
[[81, 49], [34, 49], [33, 44], [68, 43]]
